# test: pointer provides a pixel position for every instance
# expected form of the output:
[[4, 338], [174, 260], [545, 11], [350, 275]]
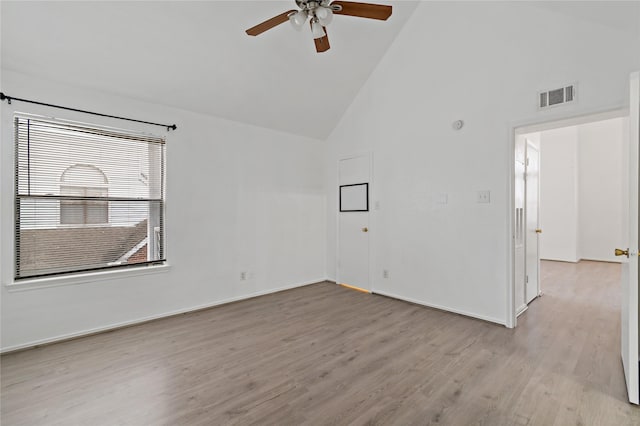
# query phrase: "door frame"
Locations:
[[532, 126], [371, 188], [528, 144], [629, 318]]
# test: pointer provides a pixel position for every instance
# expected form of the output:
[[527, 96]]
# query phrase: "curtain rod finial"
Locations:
[[172, 127]]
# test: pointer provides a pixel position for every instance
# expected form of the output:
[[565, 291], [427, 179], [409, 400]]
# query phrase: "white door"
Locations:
[[353, 223], [532, 282], [630, 326], [519, 225]]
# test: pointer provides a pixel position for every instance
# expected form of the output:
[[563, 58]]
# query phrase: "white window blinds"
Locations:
[[87, 197]]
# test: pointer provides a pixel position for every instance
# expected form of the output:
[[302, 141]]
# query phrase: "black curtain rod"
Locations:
[[11, 98]]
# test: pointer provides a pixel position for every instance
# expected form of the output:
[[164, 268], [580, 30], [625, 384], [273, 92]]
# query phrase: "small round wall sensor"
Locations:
[[457, 125]]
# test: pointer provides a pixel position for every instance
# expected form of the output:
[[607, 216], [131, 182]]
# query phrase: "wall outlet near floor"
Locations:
[[441, 198], [385, 273], [484, 197], [243, 276]]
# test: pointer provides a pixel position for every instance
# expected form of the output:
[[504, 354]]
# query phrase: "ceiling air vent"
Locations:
[[556, 97]]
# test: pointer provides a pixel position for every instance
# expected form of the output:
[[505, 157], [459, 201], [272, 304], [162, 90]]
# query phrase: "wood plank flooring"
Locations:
[[323, 354]]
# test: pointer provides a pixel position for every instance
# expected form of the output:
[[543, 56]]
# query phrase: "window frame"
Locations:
[[26, 284], [92, 274]]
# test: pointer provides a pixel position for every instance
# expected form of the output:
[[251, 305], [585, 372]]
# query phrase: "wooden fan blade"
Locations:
[[322, 44], [269, 23], [363, 10]]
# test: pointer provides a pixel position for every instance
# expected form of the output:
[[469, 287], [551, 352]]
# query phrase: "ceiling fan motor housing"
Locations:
[[311, 5]]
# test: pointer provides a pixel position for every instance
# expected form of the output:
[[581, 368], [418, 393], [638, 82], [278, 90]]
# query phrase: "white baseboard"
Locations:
[[521, 310], [601, 260], [581, 259], [552, 259], [97, 330], [440, 307]]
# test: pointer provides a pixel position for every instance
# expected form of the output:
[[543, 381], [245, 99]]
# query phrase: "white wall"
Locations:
[[582, 200], [239, 198], [602, 203], [484, 63], [559, 194]]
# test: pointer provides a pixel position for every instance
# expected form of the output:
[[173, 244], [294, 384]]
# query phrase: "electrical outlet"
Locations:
[[385, 273], [484, 197], [243, 276]]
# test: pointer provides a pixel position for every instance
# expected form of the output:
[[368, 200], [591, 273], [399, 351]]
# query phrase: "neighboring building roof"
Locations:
[[63, 249]]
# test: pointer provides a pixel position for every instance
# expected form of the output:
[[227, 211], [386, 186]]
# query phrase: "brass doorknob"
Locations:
[[365, 229], [619, 252], [538, 231]]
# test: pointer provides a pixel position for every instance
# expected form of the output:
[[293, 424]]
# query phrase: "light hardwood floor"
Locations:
[[322, 354]]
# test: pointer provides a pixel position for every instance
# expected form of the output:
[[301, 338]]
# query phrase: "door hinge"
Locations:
[[527, 280], [527, 161]]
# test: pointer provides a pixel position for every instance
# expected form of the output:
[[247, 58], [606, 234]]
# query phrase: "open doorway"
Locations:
[[569, 199], [611, 227]]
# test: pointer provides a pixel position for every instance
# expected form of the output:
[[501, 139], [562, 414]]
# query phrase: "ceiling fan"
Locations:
[[320, 13]]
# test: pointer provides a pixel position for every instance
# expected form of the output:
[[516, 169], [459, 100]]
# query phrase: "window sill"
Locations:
[[90, 277]]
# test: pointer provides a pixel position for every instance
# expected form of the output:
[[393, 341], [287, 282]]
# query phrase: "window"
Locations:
[[82, 184], [87, 197]]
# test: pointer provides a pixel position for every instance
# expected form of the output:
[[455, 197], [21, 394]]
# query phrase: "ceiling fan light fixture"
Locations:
[[325, 15], [322, 12], [292, 20], [316, 29], [299, 18]]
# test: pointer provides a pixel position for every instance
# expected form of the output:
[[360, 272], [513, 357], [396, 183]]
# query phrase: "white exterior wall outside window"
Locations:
[[83, 180]]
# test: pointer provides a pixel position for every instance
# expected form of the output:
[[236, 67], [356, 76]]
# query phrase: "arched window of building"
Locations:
[[84, 185]]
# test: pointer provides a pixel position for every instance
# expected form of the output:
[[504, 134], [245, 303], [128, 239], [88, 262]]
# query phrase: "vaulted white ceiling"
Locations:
[[195, 55], [620, 15]]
